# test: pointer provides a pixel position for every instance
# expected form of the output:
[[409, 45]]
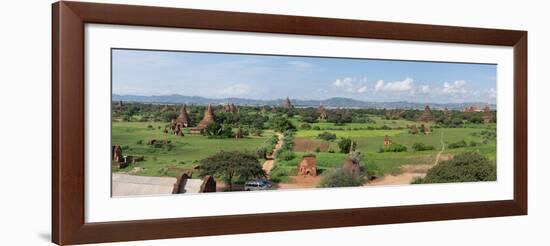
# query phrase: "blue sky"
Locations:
[[140, 72]]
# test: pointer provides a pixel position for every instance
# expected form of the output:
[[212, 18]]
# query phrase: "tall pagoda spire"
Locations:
[[287, 104]]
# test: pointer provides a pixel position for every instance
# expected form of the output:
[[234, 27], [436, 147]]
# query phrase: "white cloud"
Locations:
[[351, 85], [300, 64], [236, 90], [455, 88], [425, 89], [396, 86], [345, 83]]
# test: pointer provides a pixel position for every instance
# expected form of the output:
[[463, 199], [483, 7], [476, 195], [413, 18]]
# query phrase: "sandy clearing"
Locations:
[[300, 182], [399, 179]]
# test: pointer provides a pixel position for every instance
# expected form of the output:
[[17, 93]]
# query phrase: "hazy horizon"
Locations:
[[300, 99], [271, 77]]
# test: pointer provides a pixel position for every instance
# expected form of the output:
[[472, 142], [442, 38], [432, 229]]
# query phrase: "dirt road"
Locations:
[[268, 164]]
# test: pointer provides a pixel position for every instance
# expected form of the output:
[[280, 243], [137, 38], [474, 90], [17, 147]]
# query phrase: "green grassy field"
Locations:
[[186, 152], [370, 141], [379, 121]]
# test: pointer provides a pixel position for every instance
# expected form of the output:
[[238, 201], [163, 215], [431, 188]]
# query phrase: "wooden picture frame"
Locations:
[[68, 223]]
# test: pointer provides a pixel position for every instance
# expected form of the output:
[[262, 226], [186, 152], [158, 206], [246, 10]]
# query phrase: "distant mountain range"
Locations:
[[333, 102]]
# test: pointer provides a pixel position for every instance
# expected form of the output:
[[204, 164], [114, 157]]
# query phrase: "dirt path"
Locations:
[[268, 164], [441, 151], [410, 172]]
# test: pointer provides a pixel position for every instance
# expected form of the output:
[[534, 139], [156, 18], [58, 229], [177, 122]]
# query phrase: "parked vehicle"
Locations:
[[260, 184]]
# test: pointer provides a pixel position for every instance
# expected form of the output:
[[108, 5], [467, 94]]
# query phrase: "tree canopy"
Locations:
[[232, 164], [465, 167], [281, 124]]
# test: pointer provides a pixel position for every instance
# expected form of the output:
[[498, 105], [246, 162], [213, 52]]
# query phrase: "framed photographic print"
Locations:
[[176, 122]]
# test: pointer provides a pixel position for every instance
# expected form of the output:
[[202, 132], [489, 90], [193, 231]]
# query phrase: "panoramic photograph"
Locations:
[[199, 122]]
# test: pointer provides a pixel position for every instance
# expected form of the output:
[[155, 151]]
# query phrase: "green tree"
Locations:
[[344, 145], [465, 167], [422, 147], [216, 130], [340, 177], [281, 124], [305, 126], [231, 165], [169, 115], [327, 136]]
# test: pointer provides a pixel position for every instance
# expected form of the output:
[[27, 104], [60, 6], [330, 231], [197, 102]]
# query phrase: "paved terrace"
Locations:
[[129, 185]]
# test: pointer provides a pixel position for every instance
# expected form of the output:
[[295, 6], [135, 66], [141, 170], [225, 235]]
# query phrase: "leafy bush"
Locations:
[[317, 128], [169, 146], [327, 136], [486, 134], [422, 147], [395, 147], [169, 115], [305, 126], [273, 140], [465, 167], [279, 174], [340, 177], [262, 152], [285, 155], [216, 130], [474, 144], [458, 144]]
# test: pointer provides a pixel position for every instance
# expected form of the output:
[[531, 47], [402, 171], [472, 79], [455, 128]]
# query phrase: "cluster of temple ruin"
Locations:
[[307, 165], [182, 121]]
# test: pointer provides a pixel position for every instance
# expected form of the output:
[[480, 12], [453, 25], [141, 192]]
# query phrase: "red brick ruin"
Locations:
[[414, 130], [208, 184], [322, 112], [308, 166], [350, 164], [387, 141], [123, 161], [470, 109], [117, 153], [427, 115], [487, 115], [181, 122], [447, 113], [287, 104], [394, 114], [425, 129], [230, 108], [206, 119]]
